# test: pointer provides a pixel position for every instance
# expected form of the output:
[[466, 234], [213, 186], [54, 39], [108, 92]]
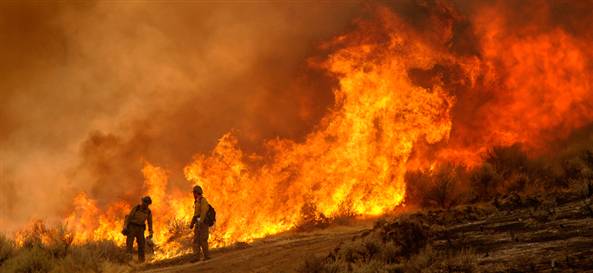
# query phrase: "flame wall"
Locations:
[[415, 83]]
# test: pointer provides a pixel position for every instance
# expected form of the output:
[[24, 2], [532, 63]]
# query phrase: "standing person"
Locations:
[[200, 241], [134, 227]]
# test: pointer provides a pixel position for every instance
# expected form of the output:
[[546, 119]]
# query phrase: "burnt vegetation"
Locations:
[[504, 170], [512, 213]]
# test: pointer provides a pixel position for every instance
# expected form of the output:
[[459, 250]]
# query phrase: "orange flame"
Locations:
[[382, 124]]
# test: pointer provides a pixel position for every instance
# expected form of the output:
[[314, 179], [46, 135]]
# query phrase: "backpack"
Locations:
[[210, 216]]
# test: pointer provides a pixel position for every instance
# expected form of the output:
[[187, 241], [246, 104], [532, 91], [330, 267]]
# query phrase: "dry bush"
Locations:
[[46, 249], [507, 160], [410, 236], [7, 249], [29, 260], [401, 245], [509, 169], [311, 218], [421, 261], [91, 257], [349, 252], [445, 187], [429, 261], [312, 264], [485, 182], [55, 240], [390, 252], [106, 250], [373, 266], [575, 170]]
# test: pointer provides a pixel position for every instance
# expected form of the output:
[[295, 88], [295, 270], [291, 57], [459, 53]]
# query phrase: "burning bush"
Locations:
[[426, 83]]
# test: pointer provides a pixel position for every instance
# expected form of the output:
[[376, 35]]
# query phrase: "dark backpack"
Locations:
[[210, 216]]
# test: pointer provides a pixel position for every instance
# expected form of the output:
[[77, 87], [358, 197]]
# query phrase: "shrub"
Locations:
[[421, 261], [311, 218], [507, 160], [432, 261], [7, 249], [350, 252], [370, 267], [390, 252], [484, 182], [441, 188], [29, 260], [409, 235], [312, 264]]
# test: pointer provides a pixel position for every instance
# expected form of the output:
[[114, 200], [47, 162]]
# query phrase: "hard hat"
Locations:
[[198, 189], [147, 200]]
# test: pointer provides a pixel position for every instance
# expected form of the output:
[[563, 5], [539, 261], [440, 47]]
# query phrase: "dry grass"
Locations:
[[50, 250], [429, 261], [507, 180], [7, 249]]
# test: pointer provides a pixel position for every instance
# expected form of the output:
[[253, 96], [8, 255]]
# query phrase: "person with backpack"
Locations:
[[200, 223], [134, 227]]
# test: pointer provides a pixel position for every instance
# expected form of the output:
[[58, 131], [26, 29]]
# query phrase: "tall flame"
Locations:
[[517, 89]]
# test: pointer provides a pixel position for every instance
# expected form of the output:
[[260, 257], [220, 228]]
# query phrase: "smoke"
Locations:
[[91, 91]]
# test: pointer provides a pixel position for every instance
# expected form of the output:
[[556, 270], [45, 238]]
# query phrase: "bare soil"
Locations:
[[513, 234], [279, 253]]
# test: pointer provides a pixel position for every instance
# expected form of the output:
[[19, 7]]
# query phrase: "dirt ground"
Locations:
[[553, 233], [280, 253]]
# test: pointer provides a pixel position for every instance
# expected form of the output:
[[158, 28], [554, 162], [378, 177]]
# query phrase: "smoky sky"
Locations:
[[89, 92]]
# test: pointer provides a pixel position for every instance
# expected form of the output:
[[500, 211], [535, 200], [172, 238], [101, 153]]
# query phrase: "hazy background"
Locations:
[[89, 91]]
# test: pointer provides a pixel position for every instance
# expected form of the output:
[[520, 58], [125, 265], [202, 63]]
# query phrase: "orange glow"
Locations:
[[531, 88]]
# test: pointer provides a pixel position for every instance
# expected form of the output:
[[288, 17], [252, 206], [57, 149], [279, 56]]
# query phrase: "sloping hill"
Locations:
[[280, 253], [546, 233]]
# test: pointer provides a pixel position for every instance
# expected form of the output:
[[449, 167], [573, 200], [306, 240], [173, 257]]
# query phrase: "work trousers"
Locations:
[[200, 242], [136, 232]]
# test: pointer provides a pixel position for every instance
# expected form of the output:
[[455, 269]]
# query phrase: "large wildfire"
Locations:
[[411, 94]]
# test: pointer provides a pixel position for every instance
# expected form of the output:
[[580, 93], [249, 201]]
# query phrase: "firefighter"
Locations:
[[200, 241], [135, 226]]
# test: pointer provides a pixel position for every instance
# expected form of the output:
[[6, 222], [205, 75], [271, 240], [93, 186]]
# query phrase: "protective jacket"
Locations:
[[200, 210], [138, 216]]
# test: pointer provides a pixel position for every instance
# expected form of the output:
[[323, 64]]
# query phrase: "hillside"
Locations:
[[280, 253], [546, 233]]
